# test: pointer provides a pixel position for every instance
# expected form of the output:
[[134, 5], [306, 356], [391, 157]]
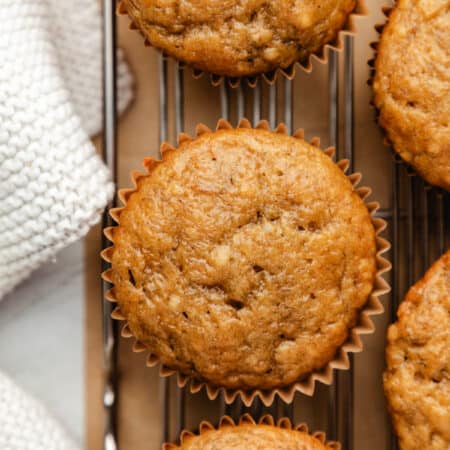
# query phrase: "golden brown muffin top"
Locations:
[[243, 259], [417, 378], [239, 37], [412, 86], [254, 437]]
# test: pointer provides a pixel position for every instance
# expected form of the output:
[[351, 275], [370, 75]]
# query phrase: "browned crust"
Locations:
[[315, 440], [414, 428], [414, 294], [353, 344], [250, 73], [413, 117]]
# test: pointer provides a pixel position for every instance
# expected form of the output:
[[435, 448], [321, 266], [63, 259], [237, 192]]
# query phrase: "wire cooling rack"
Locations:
[[417, 217]]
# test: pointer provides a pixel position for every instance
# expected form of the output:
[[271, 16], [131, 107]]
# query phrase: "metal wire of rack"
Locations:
[[418, 221]]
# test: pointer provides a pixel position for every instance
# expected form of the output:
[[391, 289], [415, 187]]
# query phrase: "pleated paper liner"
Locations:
[[321, 55], [245, 420], [410, 170], [387, 10], [353, 343]]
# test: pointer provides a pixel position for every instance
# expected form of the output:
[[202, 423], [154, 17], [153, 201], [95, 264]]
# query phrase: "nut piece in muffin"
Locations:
[[417, 378], [239, 37], [243, 258], [412, 86], [248, 436]]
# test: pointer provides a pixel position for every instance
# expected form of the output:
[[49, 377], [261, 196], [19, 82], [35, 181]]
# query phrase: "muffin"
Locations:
[[239, 38], [411, 86], [243, 258], [265, 435], [417, 378]]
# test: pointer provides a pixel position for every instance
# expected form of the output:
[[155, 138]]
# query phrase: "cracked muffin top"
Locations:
[[242, 259], [239, 37], [255, 437], [412, 86], [417, 378]]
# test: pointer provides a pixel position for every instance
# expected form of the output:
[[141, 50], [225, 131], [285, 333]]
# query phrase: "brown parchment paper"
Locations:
[[139, 405]]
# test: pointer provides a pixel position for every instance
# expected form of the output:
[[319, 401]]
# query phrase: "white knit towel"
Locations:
[[25, 424], [52, 184]]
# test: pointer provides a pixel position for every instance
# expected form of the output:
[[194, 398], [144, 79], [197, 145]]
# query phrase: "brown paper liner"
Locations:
[[353, 344], [371, 63], [321, 55], [226, 422], [410, 170]]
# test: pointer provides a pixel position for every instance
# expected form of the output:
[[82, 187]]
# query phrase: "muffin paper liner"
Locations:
[[387, 10], [353, 344], [289, 72], [226, 422], [371, 63]]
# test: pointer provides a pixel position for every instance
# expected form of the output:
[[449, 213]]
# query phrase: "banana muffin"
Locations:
[[243, 258], [248, 436], [411, 86], [239, 37], [417, 378]]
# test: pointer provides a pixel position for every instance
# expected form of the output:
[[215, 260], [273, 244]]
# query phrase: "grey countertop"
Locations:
[[41, 337]]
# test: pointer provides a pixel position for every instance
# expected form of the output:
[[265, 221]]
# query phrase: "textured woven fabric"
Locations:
[[53, 186], [25, 424]]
